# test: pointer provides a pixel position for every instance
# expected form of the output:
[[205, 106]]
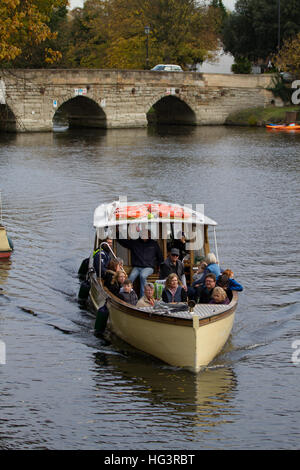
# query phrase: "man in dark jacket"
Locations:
[[145, 257], [173, 265], [203, 293]]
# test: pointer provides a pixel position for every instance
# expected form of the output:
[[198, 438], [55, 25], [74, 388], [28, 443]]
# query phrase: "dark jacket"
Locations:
[[144, 254], [105, 258], [108, 277], [167, 267], [203, 295], [115, 288], [180, 295], [129, 297]]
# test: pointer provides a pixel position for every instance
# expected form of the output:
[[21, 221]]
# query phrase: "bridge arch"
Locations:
[[171, 110], [80, 111], [8, 120]]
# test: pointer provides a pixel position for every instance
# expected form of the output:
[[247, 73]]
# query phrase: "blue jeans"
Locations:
[[143, 273]]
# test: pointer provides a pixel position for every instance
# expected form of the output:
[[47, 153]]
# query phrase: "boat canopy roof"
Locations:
[[123, 212]]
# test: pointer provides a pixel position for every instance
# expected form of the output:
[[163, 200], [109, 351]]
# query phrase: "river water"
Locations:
[[64, 388]]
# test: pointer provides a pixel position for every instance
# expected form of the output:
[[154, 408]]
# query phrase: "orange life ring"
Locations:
[[173, 212], [131, 212]]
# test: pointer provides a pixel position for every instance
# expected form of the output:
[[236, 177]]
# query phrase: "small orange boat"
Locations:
[[284, 127]]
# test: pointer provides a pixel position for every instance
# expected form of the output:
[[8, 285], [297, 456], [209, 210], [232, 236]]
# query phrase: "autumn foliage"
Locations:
[[288, 58], [108, 33], [23, 25]]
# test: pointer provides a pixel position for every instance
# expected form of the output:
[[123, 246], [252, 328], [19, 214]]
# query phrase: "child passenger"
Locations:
[[127, 293]]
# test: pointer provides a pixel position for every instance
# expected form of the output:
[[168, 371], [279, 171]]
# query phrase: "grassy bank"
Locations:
[[260, 116]]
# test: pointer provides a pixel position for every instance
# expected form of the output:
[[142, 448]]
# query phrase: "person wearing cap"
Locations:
[[173, 265], [180, 244]]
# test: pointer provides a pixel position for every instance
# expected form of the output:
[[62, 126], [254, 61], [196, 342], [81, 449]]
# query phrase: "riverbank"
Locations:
[[261, 116]]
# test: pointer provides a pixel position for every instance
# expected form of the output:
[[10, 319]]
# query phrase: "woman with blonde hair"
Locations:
[[219, 296], [173, 291], [117, 282]]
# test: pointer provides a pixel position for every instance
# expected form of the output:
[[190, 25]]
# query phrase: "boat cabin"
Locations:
[[169, 224]]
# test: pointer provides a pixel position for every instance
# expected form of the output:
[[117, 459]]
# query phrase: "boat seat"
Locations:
[[152, 278]]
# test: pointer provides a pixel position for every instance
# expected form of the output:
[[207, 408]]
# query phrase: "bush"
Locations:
[[241, 65], [280, 89]]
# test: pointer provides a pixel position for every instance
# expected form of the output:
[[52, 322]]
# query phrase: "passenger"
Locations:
[[117, 282], [173, 292], [233, 284], [212, 267], [127, 293], [203, 293], [173, 265], [219, 296], [223, 281], [199, 273], [180, 244], [148, 298], [145, 257], [112, 269], [105, 257]]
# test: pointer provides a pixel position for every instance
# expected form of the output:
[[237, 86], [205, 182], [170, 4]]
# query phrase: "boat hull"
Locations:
[[5, 244], [191, 342], [283, 127], [191, 346]]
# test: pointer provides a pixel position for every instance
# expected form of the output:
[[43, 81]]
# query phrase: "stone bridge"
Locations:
[[32, 100]]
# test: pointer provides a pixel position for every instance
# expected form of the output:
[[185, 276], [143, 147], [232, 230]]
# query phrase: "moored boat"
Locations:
[[185, 334], [6, 245]]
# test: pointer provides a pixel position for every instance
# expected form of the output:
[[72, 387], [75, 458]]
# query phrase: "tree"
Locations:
[[181, 31], [288, 58], [86, 41], [24, 24], [251, 31], [110, 33]]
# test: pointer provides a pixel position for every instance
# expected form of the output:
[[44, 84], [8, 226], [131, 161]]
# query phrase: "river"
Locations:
[[61, 387]]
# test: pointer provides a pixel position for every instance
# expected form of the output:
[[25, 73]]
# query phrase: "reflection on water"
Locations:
[[63, 387], [5, 265], [195, 396]]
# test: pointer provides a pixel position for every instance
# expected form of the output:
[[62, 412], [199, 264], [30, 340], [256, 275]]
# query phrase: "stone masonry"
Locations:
[[123, 97]]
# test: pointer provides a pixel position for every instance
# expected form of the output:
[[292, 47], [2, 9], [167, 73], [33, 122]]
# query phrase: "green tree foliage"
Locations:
[[251, 31], [86, 42], [241, 65], [110, 33], [219, 5]]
